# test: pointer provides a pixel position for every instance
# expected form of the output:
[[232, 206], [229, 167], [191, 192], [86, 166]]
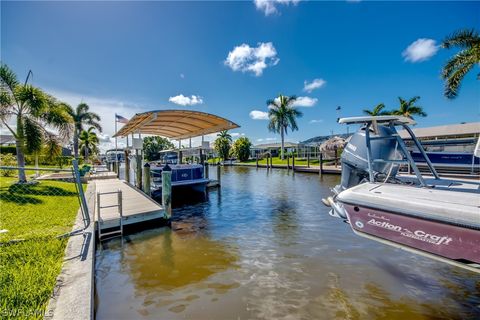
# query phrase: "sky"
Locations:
[[228, 58]]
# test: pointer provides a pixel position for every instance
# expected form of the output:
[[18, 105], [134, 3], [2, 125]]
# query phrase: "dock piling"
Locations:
[[146, 179], [127, 167], [293, 163], [320, 164], [257, 159], [205, 172], [308, 159], [167, 191], [288, 162], [139, 171], [219, 174]]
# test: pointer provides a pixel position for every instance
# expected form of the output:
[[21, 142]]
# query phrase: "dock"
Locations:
[[136, 206]]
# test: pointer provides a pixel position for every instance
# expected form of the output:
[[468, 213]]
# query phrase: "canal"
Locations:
[[264, 247]]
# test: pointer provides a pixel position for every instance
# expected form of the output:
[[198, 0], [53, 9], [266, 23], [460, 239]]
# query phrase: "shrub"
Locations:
[[241, 148], [8, 149], [222, 147], [8, 160]]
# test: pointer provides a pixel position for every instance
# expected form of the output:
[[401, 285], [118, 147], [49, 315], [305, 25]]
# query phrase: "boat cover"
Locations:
[[437, 204]]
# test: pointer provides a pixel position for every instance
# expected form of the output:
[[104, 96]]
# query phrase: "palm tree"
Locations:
[[408, 108], [225, 134], [88, 142], [377, 111], [282, 115], [34, 111], [462, 62], [82, 116]]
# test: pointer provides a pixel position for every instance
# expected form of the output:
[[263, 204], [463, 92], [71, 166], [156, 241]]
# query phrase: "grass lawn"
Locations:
[[28, 269]]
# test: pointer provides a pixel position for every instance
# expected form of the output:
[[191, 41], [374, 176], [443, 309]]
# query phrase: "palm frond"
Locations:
[[8, 79], [31, 99], [452, 85], [33, 134], [462, 38]]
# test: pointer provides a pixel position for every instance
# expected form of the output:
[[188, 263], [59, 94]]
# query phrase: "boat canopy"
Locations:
[[175, 124], [378, 119]]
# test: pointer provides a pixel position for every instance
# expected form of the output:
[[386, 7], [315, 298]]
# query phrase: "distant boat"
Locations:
[[435, 217]]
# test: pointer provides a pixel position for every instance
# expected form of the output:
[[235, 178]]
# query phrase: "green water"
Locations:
[[264, 247]]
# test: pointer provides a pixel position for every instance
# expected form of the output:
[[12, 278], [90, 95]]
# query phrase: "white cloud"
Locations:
[[305, 102], [252, 59], [316, 121], [237, 134], [315, 84], [258, 115], [420, 50], [270, 139], [301, 102], [182, 76], [185, 100], [270, 6]]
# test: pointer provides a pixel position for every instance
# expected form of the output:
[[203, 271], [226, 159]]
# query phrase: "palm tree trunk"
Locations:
[[20, 161], [282, 134], [75, 143], [19, 142]]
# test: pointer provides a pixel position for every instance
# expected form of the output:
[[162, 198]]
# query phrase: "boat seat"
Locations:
[[437, 204]]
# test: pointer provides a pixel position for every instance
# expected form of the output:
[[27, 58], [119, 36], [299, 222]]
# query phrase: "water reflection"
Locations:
[[265, 248], [171, 260]]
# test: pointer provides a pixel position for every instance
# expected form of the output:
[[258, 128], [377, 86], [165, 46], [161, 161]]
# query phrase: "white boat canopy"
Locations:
[[175, 124], [378, 119]]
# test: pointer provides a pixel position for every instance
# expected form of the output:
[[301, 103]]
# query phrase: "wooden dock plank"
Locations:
[[137, 207]]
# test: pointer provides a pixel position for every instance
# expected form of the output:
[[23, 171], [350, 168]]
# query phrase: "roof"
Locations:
[[7, 139], [462, 129], [175, 124], [378, 119], [275, 145]]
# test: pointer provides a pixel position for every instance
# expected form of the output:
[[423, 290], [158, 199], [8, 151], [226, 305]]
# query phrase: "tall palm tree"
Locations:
[[408, 108], [282, 115], [377, 111], [82, 116], [225, 134], [462, 62], [33, 112], [88, 142]]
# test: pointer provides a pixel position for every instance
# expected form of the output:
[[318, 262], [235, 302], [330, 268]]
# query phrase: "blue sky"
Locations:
[[228, 58]]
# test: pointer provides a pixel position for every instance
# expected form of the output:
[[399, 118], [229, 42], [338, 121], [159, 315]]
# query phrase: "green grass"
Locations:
[[278, 161], [28, 269]]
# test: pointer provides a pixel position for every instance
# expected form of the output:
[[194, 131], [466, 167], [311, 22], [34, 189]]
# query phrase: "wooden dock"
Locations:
[[136, 206]]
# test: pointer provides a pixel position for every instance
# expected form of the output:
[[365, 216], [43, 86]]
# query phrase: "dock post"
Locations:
[[293, 163], [139, 171], [205, 171], [320, 164], [257, 159], [288, 162], [201, 156], [308, 159], [218, 174], [167, 191], [146, 179], [180, 157], [127, 167]]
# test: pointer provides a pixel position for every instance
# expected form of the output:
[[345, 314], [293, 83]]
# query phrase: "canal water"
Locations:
[[264, 247]]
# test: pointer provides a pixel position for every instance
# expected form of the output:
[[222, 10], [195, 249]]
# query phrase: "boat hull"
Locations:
[[448, 241]]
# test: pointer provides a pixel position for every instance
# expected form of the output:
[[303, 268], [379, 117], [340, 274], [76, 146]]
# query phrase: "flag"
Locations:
[[120, 119], [338, 108]]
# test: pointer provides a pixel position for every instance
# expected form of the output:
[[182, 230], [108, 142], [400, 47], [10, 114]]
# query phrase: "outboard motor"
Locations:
[[383, 146], [354, 157]]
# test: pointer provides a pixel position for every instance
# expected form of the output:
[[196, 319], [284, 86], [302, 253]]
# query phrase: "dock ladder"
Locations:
[[111, 233]]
